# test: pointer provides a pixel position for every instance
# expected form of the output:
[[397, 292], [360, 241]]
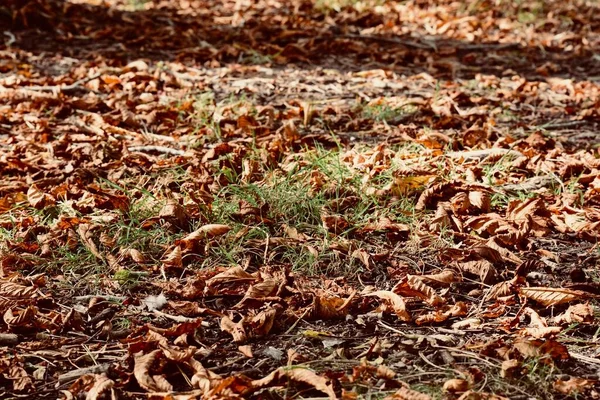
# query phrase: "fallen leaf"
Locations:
[[394, 301]]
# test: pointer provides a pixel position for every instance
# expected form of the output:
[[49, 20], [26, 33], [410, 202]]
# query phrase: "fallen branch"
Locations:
[[157, 149], [7, 339], [65, 88], [72, 375], [481, 154], [535, 183], [432, 45], [106, 297]]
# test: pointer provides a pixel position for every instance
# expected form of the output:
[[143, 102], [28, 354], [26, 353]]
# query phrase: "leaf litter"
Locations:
[[338, 199]]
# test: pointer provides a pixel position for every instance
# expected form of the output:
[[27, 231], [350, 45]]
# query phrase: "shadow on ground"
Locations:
[[218, 31]]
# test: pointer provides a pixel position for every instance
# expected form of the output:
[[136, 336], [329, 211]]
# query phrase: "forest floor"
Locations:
[[299, 199]]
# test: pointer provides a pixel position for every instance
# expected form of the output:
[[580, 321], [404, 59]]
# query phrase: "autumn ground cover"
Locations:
[[299, 199]]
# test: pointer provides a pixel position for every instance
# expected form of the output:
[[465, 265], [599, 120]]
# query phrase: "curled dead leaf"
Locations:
[[573, 385], [456, 385], [441, 279], [576, 313], [141, 371], [405, 393], [394, 301], [235, 329], [412, 286]]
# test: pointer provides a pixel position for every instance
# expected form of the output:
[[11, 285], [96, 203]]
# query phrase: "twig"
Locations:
[[66, 88], [291, 328], [432, 45], [157, 149], [581, 357], [72, 375], [407, 43], [179, 318], [7, 339], [106, 297]]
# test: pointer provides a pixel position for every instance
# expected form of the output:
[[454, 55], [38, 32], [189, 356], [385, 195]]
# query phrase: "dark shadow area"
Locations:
[[214, 32]]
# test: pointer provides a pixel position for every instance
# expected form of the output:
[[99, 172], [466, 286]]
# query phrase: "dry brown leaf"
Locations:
[[576, 313], [85, 233], [174, 211], [330, 307], [482, 268], [173, 257], [541, 348], [394, 301], [552, 296], [297, 374], [235, 329], [456, 385], [404, 393], [205, 232], [21, 382], [14, 317], [574, 385], [203, 378], [236, 273], [13, 290], [102, 385], [414, 287], [538, 328], [246, 350], [262, 322], [141, 371], [38, 199], [510, 368], [441, 279]]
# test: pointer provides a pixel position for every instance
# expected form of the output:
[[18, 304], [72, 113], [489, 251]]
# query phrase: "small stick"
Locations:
[[7, 339], [72, 375], [158, 149], [66, 88]]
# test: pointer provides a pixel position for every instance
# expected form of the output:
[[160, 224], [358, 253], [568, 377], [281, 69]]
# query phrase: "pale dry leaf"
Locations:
[[141, 371], [456, 385], [173, 257], [573, 385], [405, 393], [262, 322], [203, 378], [468, 323], [21, 381], [235, 329], [576, 313], [102, 385], [538, 328], [137, 256], [510, 368], [13, 290], [85, 233], [236, 273], [394, 301], [441, 279], [297, 374], [552, 296], [424, 291], [246, 350], [205, 232], [482, 268], [38, 199]]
